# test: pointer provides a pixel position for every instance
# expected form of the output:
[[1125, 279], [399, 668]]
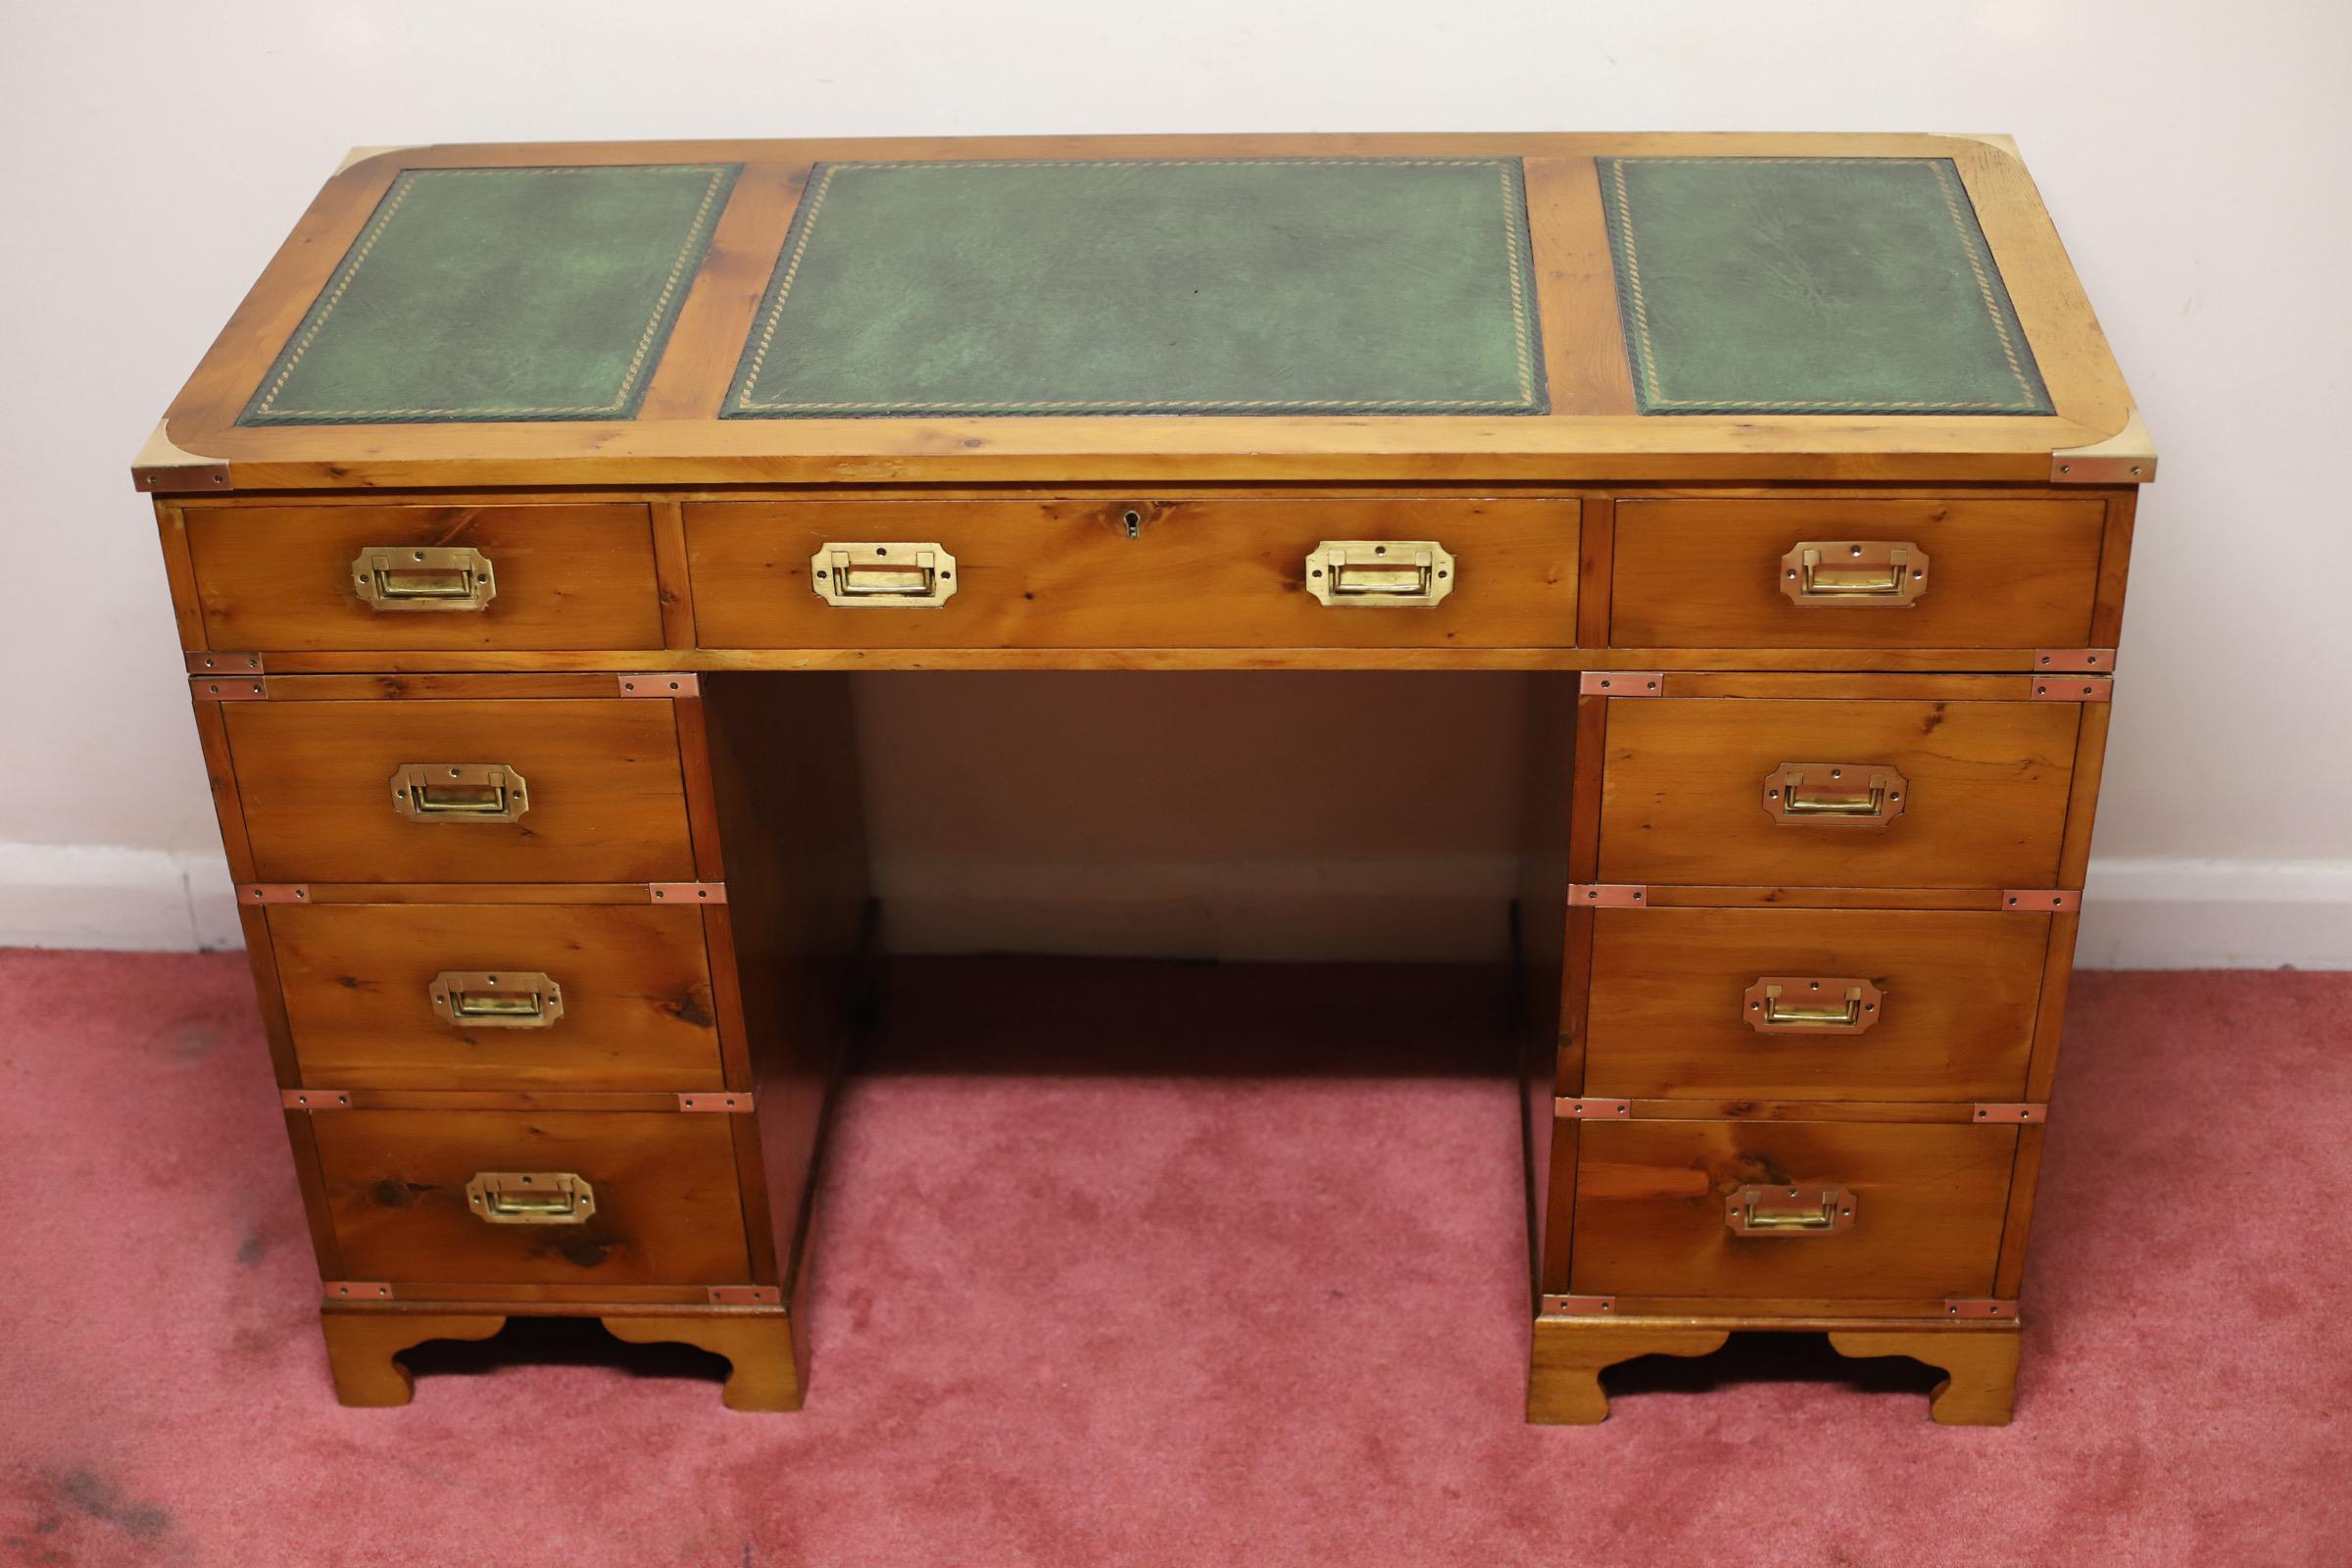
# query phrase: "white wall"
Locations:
[[2193, 155]]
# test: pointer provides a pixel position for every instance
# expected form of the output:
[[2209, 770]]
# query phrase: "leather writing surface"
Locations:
[[1189, 285], [1811, 285], [500, 294]]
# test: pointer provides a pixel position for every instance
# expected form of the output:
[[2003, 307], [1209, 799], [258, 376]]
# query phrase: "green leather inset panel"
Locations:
[[1192, 285], [1811, 285], [501, 294]]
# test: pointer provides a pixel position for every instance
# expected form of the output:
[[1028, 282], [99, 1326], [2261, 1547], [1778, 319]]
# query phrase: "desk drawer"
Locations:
[[1856, 1005], [1975, 573], [497, 995], [1973, 793], [1134, 575], [1919, 1216], [283, 577], [660, 1204], [604, 797]]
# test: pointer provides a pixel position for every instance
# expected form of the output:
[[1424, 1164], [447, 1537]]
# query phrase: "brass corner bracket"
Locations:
[[164, 468], [2128, 457]]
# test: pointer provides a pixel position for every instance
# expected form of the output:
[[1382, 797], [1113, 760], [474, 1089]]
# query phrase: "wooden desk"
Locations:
[[526, 520]]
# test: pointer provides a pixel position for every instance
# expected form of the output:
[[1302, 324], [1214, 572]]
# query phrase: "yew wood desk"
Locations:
[[528, 521]]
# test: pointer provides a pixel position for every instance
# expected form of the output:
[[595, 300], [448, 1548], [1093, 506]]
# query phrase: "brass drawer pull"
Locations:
[[480, 1000], [530, 1198], [1833, 794], [460, 792], [892, 575], [1854, 573], [1379, 573], [401, 577], [1806, 1005], [1789, 1210]]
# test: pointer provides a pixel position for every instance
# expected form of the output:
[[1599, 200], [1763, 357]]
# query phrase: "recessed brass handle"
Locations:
[[530, 1198], [419, 577], [1810, 1005], [460, 792], [1756, 1210], [1834, 795], [1854, 573], [893, 574], [1379, 573], [478, 998]]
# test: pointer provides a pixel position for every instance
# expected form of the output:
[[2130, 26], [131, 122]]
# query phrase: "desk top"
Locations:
[[1023, 311]]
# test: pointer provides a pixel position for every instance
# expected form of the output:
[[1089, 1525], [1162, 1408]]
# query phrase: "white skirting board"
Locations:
[[2138, 914]]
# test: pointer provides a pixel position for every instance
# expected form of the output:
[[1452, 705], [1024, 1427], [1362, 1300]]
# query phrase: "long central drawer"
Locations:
[[1132, 574]]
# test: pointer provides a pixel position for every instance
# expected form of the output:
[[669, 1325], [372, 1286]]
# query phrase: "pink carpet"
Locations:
[[1265, 1318]]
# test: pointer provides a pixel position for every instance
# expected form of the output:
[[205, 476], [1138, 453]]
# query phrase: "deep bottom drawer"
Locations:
[[660, 1205], [1655, 1205]]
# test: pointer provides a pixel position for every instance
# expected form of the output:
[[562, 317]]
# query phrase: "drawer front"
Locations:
[[1991, 573], [1983, 794], [607, 800], [1944, 1007], [1652, 1200], [667, 1209], [546, 996], [1182, 575], [282, 577]]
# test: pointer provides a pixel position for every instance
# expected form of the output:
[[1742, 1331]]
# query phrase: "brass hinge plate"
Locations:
[[274, 893], [225, 663], [661, 686], [1578, 1305], [746, 1296], [686, 892], [238, 689], [2016, 1113], [1956, 1307], [1588, 1109], [355, 1289], [1622, 683], [314, 1099], [2073, 660], [715, 1102], [2088, 689], [2040, 900], [1609, 894]]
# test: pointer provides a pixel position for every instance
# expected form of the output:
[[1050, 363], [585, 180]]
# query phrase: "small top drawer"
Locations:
[[1866, 573], [295, 578]]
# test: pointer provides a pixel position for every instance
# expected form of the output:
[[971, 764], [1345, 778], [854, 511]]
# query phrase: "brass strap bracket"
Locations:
[[1622, 683], [717, 1101], [2091, 689], [2020, 1112], [274, 893], [355, 1289], [1578, 1305], [2039, 901], [219, 663], [745, 1295], [1609, 894], [2073, 660], [1591, 1110], [678, 685], [314, 1099], [238, 690], [1955, 1307], [685, 893]]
